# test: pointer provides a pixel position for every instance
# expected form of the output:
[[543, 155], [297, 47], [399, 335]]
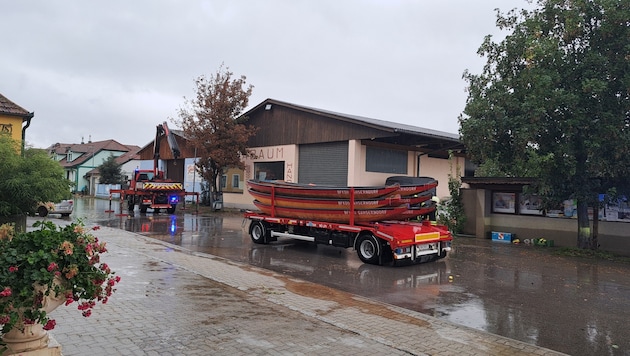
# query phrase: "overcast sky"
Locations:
[[115, 69]]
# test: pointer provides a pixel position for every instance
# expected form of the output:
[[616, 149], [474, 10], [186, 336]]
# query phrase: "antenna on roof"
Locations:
[[90, 139], [82, 140]]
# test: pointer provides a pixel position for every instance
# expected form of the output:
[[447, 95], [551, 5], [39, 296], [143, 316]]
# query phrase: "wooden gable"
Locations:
[[282, 125]]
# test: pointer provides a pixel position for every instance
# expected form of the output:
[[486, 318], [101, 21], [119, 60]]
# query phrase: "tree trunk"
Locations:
[[594, 242], [584, 227]]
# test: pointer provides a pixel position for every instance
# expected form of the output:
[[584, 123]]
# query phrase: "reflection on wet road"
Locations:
[[572, 305]]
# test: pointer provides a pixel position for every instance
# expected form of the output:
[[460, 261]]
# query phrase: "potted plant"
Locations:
[[42, 269]]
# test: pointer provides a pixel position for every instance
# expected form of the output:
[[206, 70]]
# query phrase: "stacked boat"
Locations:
[[342, 204]]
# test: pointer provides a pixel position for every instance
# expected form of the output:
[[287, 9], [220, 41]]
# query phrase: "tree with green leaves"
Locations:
[[553, 102], [110, 171], [211, 123], [29, 179]]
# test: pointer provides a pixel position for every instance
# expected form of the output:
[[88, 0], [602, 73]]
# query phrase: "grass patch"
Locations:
[[591, 254]]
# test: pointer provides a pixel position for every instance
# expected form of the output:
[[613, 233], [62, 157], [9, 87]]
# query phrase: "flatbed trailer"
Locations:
[[375, 242]]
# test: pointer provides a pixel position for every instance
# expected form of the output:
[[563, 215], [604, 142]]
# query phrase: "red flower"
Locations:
[[13, 269], [6, 292], [52, 266], [50, 324], [87, 313], [96, 228]]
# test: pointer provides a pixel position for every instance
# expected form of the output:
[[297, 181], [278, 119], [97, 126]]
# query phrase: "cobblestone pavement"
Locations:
[[172, 301]]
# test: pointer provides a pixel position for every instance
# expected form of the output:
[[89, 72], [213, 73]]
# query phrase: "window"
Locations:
[[236, 179], [223, 182], [378, 159], [504, 202], [269, 170]]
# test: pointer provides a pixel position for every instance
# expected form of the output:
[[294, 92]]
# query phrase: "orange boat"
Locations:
[[330, 203], [329, 215], [321, 191]]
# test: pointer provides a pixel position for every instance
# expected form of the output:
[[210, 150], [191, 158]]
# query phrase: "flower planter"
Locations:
[[67, 258], [32, 339]]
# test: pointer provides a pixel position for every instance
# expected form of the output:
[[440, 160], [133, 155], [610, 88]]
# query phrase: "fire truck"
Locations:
[[150, 189]]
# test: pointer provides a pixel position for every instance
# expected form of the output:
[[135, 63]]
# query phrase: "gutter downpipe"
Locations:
[[28, 123]]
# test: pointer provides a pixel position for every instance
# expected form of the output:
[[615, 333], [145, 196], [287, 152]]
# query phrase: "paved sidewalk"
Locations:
[[172, 301]]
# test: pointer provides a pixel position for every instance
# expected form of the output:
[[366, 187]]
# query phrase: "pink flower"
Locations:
[[13, 269], [52, 266], [6, 292]]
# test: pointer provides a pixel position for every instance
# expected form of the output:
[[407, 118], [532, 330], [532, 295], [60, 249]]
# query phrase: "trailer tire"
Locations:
[[369, 249], [259, 232]]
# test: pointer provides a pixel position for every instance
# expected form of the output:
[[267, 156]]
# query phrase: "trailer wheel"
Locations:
[[258, 232], [42, 211], [368, 249]]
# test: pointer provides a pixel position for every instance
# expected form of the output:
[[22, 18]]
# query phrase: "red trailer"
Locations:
[[375, 242]]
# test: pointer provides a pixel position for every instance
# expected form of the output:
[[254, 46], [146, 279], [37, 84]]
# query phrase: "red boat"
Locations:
[[330, 203], [413, 213], [416, 199], [320, 191], [410, 190], [338, 216]]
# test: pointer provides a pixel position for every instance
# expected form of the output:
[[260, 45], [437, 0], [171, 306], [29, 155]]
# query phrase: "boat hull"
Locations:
[[317, 191], [329, 203], [338, 216]]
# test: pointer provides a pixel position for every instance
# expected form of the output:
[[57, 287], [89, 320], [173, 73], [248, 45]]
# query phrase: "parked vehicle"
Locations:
[[65, 208], [378, 239]]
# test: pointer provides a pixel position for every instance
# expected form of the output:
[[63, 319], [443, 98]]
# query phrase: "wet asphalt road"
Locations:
[[572, 305]]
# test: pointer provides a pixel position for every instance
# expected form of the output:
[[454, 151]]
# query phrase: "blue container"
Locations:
[[502, 236]]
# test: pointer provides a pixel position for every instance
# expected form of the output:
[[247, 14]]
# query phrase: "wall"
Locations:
[[439, 169], [613, 236], [13, 125]]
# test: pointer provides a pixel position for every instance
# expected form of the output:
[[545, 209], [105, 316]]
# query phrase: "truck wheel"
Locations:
[[130, 204], [171, 210], [143, 209], [368, 248], [258, 231], [42, 211]]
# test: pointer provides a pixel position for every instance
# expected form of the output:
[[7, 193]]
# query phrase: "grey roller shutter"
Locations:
[[324, 163]]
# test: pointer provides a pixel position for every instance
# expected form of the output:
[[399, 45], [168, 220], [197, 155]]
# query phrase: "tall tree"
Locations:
[[110, 171], [29, 179], [553, 101], [211, 122]]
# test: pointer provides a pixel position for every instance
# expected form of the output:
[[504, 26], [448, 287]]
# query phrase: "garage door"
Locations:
[[324, 163]]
